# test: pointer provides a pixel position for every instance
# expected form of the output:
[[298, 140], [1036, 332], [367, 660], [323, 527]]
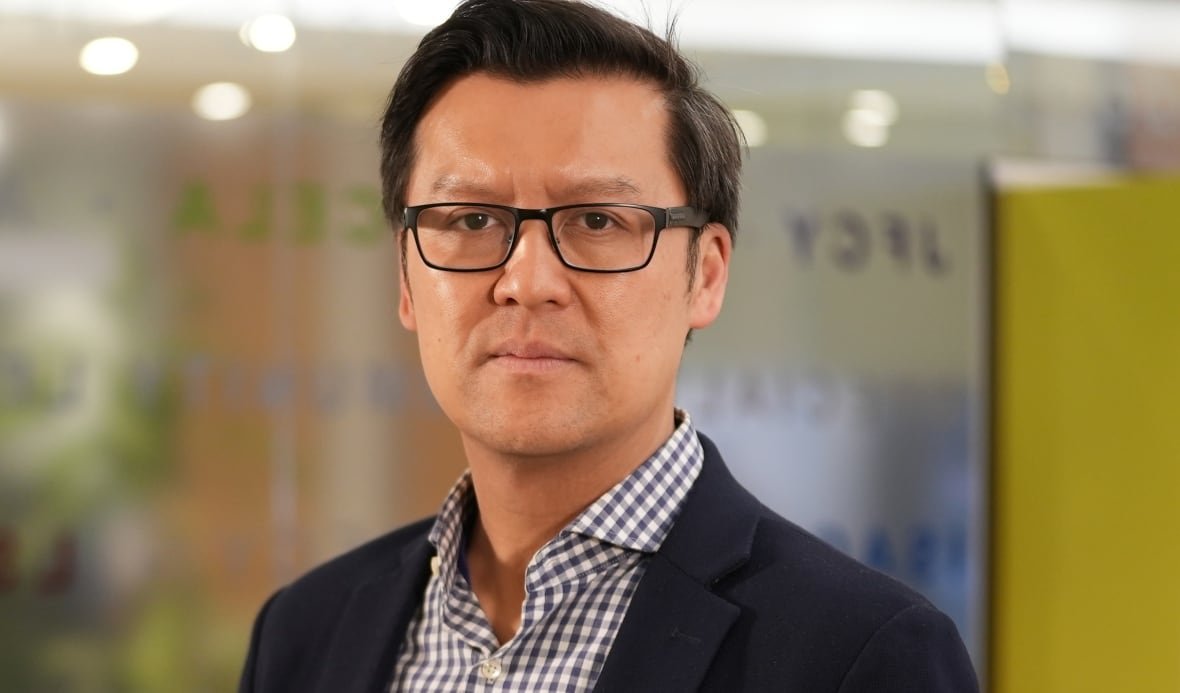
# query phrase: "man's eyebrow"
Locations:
[[450, 185], [453, 187], [589, 188]]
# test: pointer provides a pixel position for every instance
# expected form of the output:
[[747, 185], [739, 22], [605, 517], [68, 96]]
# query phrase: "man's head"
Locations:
[[536, 40], [537, 106]]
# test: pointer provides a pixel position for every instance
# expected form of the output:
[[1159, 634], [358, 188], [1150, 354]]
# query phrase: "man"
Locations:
[[565, 196]]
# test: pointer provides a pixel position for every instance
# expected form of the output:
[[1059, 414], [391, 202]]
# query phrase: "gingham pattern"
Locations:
[[577, 587]]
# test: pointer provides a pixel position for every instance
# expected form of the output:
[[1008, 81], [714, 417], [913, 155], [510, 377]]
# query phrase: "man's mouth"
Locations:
[[531, 356]]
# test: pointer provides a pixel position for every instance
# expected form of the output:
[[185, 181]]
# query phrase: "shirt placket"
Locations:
[[462, 615]]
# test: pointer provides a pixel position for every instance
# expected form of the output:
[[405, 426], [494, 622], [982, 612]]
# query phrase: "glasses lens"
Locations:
[[604, 237], [464, 236]]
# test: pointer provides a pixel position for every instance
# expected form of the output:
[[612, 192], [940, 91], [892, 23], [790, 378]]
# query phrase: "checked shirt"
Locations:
[[577, 587]]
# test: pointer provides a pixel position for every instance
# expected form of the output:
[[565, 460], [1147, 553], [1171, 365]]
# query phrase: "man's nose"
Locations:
[[534, 275]]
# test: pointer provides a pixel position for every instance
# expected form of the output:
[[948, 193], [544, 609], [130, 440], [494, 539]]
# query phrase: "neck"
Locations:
[[525, 502]]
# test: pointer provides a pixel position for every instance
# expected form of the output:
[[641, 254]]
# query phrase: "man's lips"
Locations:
[[530, 350], [530, 355]]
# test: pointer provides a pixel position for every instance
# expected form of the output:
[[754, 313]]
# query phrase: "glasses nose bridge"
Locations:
[[543, 215], [523, 215]]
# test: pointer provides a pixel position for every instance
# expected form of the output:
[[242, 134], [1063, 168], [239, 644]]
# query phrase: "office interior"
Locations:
[[948, 348]]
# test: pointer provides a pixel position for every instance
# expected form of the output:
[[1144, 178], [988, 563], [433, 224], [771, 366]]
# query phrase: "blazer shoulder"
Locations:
[[299, 626], [771, 556], [815, 568], [835, 623], [809, 617], [315, 599]]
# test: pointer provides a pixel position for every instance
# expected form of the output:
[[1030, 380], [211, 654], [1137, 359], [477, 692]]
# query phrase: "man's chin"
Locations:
[[538, 441]]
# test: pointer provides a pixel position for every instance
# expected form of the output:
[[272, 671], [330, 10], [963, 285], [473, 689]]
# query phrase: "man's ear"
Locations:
[[712, 274], [405, 304]]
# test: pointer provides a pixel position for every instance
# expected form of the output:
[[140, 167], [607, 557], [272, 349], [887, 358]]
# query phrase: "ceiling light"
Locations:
[[871, 112], [997, 79], [269, 33], [108, 56], [876, 103], [221, 101], [753, 127], [865, 128]]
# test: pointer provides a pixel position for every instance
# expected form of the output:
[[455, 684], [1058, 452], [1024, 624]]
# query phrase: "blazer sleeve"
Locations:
[[916, 651], [250, 669]]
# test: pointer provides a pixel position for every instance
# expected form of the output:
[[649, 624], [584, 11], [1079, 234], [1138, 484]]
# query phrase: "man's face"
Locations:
[[533, 358]]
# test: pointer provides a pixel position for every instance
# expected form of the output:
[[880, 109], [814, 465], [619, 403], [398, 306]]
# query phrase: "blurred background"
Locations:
[[204, 390]]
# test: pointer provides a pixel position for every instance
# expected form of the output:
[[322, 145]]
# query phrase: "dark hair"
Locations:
[[535, 40]]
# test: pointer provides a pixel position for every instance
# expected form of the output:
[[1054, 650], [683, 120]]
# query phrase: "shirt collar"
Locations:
[[635, 514], [640, 510]]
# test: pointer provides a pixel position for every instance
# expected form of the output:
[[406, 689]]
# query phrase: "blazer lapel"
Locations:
[[668, 638], [369, 633], [675, 622]]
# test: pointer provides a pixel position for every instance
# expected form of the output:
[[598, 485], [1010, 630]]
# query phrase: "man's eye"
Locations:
[[595, 220], [475, 221]]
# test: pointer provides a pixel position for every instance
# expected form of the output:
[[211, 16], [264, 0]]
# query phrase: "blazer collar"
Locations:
[[667, 640], [675, 623]]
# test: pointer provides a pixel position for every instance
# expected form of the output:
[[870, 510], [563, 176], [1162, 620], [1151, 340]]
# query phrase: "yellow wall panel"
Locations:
[[1086, 529]]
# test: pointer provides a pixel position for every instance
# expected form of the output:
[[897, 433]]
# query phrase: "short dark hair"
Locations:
[[536, 40]]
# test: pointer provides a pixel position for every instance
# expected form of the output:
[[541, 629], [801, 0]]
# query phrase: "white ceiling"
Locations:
[[973, 31]]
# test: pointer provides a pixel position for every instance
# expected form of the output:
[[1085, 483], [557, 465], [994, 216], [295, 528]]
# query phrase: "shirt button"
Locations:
[[491, 669]]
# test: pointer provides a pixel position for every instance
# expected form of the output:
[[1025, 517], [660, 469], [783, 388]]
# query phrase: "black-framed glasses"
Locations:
[[593, 237]]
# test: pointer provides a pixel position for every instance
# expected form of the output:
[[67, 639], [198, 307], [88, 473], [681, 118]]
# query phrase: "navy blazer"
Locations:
[[736, 599]]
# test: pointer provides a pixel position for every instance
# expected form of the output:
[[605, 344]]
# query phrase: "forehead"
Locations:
[[486, 134]]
